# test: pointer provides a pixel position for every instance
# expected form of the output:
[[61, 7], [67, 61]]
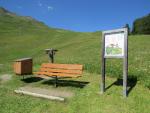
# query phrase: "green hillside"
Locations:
[[26, 37], [12, 23], [74, 47]]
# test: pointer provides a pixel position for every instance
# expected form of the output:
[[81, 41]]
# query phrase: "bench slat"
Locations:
[[60, 71], [56, 74], [63, 66]]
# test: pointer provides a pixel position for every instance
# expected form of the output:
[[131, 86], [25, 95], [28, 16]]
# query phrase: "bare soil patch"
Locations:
[[5, 78]]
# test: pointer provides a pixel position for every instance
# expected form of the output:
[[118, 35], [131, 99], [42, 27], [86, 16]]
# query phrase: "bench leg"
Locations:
[[56, 81]]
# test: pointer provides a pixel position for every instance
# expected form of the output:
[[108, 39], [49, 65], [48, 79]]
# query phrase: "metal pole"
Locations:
[[103, 66], [52, 56], [103, 76], [51, 53], [125, 64]]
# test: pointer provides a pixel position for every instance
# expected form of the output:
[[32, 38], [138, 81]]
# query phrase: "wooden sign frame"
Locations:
[[124, 57]]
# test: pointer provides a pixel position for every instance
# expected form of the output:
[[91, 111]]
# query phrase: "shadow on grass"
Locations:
[[131, 82], [64, 83], [32, 79]]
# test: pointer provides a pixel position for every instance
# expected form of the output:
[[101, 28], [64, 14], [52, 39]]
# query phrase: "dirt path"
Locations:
[[5, 78]]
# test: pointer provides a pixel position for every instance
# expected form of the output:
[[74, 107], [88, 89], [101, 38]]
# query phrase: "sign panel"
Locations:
[[114, 44]]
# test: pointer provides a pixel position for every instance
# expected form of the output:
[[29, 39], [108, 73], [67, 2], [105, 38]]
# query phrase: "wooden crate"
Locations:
[[23, 66]]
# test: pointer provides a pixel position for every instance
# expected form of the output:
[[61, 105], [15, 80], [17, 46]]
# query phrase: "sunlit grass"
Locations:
[[75, 48]]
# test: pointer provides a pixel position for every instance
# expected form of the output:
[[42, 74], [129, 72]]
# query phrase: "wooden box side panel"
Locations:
[[26, 67], [17, 68]]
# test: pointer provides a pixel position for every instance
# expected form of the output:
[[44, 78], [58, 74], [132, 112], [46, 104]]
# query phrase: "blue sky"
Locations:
[[81, 15]]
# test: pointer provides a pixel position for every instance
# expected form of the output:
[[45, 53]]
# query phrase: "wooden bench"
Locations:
[[60, 71]]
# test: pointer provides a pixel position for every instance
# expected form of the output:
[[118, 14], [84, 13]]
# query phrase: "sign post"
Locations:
[[115, 45]]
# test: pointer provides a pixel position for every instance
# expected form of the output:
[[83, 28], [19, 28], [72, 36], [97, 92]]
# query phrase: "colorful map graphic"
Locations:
[[114, 45]]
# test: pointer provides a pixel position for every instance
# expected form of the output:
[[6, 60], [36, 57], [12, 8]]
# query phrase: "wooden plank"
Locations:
[[63, 66], [39, 95], [17, 68], [56, 74], [61, 71]]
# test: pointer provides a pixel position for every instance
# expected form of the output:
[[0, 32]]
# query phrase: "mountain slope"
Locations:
[[10, 22]]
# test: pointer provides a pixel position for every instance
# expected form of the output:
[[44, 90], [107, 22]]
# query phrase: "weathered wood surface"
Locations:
[[63, 66], [60, 70], [39, 95], [48, 93], [56, 74]]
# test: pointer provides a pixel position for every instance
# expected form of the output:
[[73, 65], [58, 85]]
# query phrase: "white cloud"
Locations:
[[50, 8]]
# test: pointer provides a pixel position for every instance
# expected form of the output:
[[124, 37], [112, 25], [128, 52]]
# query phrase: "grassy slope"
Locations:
[[30, 40], [83, 48]]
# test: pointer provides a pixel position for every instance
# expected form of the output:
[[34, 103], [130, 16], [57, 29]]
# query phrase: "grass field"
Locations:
[[32, 38]]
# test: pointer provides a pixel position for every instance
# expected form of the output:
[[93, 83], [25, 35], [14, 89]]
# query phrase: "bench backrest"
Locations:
[[62, 69]]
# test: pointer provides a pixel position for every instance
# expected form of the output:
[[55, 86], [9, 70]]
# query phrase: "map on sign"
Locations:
[[114, 44]]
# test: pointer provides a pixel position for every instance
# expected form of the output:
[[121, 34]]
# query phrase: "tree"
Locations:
[[142, 25]]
